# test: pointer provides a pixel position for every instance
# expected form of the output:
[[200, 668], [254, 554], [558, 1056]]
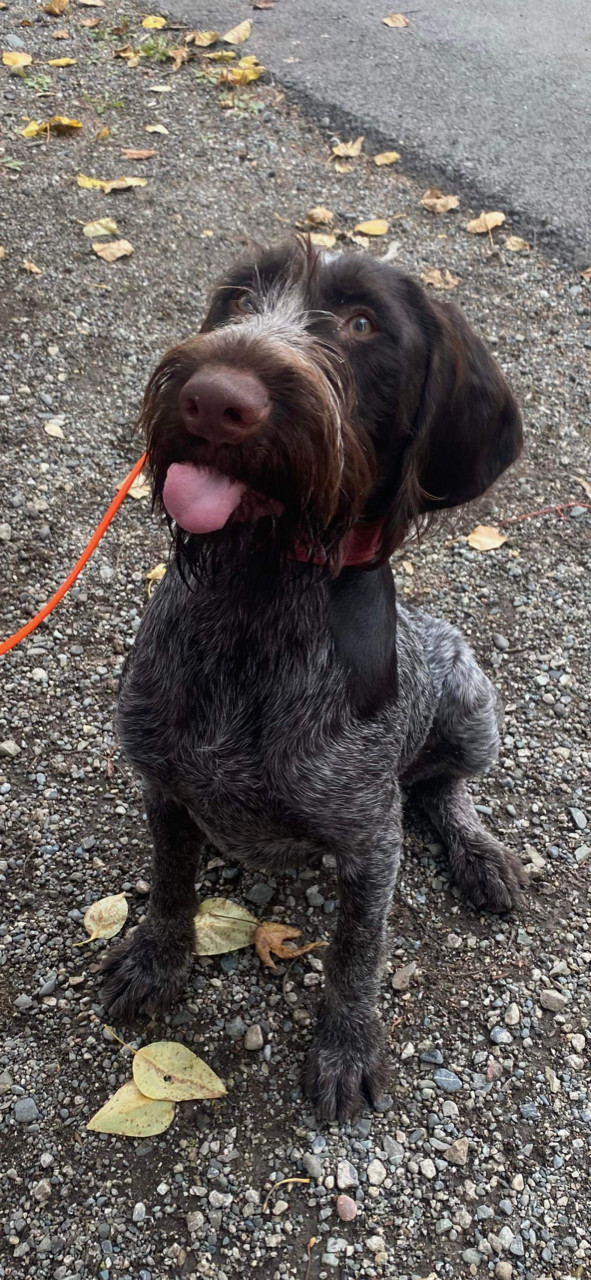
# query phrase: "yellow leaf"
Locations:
[[223, 55], [319, 216], [395, 20], [106, 917], [103, 134], [322, 239], [387, 157], [30, 267], [436, 202], [64, 125], [486, 537], [376, 227], [169, 1070], [53, 428], [90, 184], [55, 7], [516, 245], [155, 575], [34, 129], [61, 62], [439, 279], [242, 75], [16, 59], [129, 1112], [156, 128], [222, 925], [348, 148], [101, 227], [122, 184], [238, 34], [343, 166], [485, 223], [270, 937], [202, 39], [113, 250], [154, 22]]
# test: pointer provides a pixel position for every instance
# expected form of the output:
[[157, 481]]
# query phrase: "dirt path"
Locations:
[[78, 342]]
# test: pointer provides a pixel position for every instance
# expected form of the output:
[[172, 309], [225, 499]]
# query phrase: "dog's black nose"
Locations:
[[220, 403]]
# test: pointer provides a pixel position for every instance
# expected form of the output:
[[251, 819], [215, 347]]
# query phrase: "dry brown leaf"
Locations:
[[61, 35], [264, 4], [55, 7], [168, 1070], [343, 166], [439, 279], [15, 60], [130, 153], [237, 35], [386, 157], [270, 937], [129, 1112], [222, 925], [202, 39], [90, 22], [113, 250], [61, 62], [585, 483], [375, 227], [486, 537], [395, 20], [320, 216], [485, 223], [105, 918], [516, 245], [348, 149], [126, 52], [100, 227], [122, 184], [322, 239], [156, 128], [154, 22], [141, 488], [178, 55], [32, 269], [436, 202]]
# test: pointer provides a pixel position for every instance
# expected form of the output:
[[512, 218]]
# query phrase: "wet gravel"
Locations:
[[478, 1162]]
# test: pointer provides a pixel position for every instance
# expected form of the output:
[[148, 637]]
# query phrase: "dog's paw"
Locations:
[[489, 876], [346, 1069], [146, 973]]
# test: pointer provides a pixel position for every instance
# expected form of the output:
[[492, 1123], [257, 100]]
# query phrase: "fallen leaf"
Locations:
[[89, 184], [90, 22], [113, 250], [53, 428], [161, 88], [61, 35], [223, 55], [141, 488], [156, 128], [93, 4], [408, 567], [264, 4], [485, 223], [63, 125], [436, 202], [246, 71], [101, 227], [130, 153], [222, 925], [322, 239], [202, 39], [485, 537], [387, 157], [343, 166], [395, 20], [376, 227], [105, 918], [439, 279], [2, 251], [55, 7], [585, 483], [34, 129], [178, 55], [34, 271], [122, 184], [129, 1112], [61, 62], [348, 148], [127, 52], [155, 575], [16, 59], [169, 1070], [516, 245], [319, 216], [154, 22], [103, 134], [269, 937], [237, 35]]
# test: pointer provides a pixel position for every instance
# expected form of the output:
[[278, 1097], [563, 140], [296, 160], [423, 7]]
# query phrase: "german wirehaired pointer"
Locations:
[[277, 697]]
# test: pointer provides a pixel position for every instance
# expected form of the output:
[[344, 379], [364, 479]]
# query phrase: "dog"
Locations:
[[276, 697]]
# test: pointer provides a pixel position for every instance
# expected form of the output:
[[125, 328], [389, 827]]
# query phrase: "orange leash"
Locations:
[[78, 567]]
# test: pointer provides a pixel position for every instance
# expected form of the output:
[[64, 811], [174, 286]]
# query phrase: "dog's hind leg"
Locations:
[[464, 742], [147, 972]]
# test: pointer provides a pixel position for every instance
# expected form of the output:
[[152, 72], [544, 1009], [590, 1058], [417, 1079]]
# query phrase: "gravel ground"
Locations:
[[478, 1162]]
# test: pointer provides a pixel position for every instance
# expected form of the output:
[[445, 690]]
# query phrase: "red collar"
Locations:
[[360, 545]]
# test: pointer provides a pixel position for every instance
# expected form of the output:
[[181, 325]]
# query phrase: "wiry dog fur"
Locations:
[[273, 706]]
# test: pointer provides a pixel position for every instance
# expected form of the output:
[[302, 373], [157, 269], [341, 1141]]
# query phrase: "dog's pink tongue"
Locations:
[[200, 499]]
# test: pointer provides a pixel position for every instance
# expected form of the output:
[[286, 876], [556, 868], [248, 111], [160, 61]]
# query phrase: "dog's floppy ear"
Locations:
[[466, 431]]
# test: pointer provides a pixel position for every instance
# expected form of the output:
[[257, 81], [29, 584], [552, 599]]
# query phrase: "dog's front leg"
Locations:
[[146, 973], [348, 1064]]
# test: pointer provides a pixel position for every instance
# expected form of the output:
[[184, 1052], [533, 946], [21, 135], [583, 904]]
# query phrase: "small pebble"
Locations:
[[376, 1173], [346, 1208], [347, 1175], [447, 1080], [553, 1000], [253, 1039]]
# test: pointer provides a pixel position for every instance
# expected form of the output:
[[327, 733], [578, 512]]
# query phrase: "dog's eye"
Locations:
[[360, 326], [243, 304]]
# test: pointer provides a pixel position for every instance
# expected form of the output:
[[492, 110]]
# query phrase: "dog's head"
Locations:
[[322, 391]]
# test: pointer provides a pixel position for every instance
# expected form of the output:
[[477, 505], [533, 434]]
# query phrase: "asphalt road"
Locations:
[[492, 98]]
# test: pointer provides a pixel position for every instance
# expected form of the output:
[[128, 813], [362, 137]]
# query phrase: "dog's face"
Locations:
[[324, 389]]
